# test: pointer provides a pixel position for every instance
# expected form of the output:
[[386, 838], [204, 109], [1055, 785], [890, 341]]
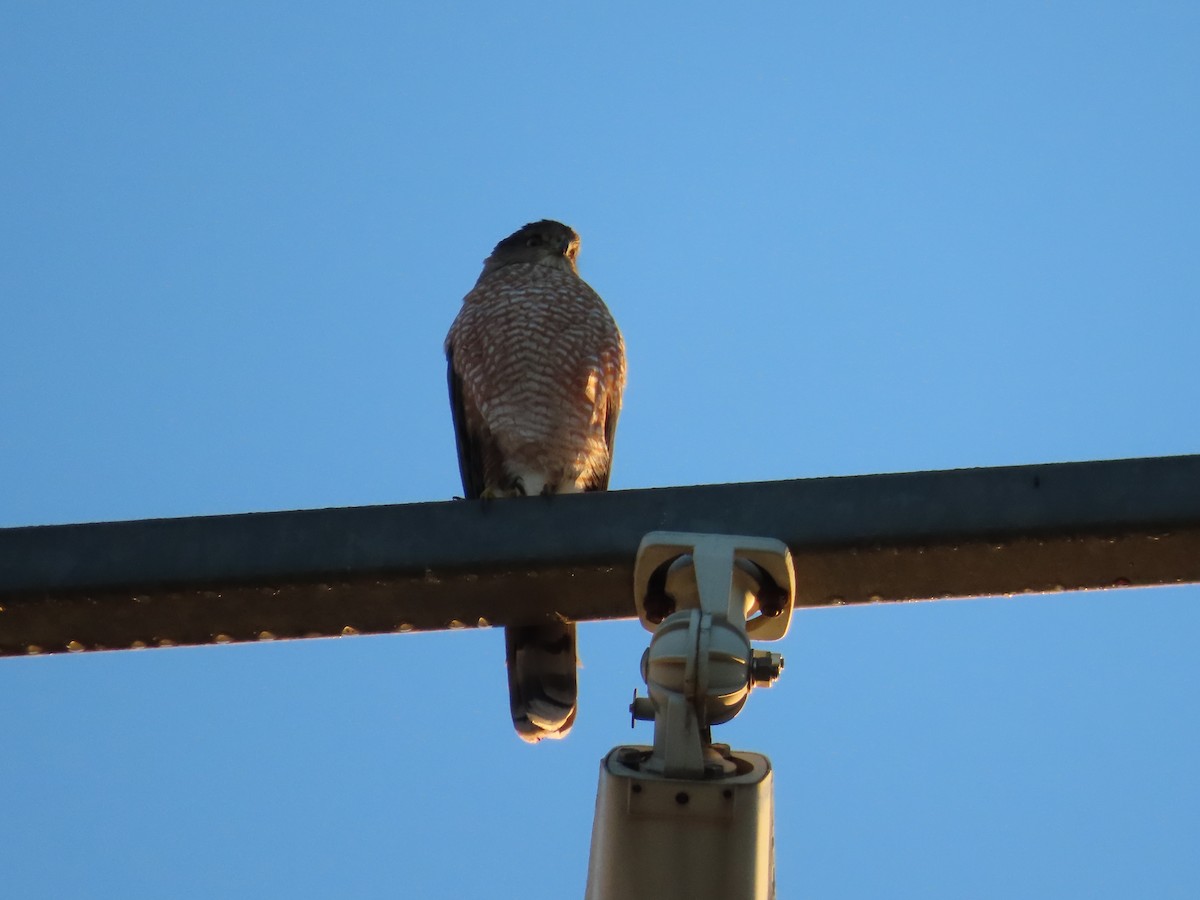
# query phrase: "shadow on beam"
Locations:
[[426, 566]]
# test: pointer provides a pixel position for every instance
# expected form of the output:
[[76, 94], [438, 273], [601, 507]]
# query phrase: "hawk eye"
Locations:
[[535, 240]]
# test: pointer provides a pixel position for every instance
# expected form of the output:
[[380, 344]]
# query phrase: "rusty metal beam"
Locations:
[[424, 566]]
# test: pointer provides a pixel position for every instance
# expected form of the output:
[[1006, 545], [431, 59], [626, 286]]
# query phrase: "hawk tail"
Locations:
[[542, 682]]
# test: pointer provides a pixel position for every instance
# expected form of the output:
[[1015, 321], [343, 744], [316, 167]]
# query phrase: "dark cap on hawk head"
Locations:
[[538, 241]]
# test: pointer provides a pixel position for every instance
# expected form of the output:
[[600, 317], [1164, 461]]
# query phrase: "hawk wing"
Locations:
[[612, 409], [470, 452]]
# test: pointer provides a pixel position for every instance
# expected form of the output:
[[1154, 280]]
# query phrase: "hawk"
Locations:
[[536, 367]]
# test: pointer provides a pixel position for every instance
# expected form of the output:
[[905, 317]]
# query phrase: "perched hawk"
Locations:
[[536, 369]]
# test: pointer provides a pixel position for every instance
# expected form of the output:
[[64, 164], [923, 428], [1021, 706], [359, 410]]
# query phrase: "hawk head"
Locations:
[[547, 241]]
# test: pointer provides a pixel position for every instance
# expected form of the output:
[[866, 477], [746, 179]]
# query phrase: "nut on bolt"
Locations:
[[765, 668]]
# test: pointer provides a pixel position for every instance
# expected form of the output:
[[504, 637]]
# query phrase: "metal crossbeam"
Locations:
[[425, 566]]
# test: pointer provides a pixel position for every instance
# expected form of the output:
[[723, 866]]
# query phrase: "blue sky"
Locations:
[[840, 239]]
